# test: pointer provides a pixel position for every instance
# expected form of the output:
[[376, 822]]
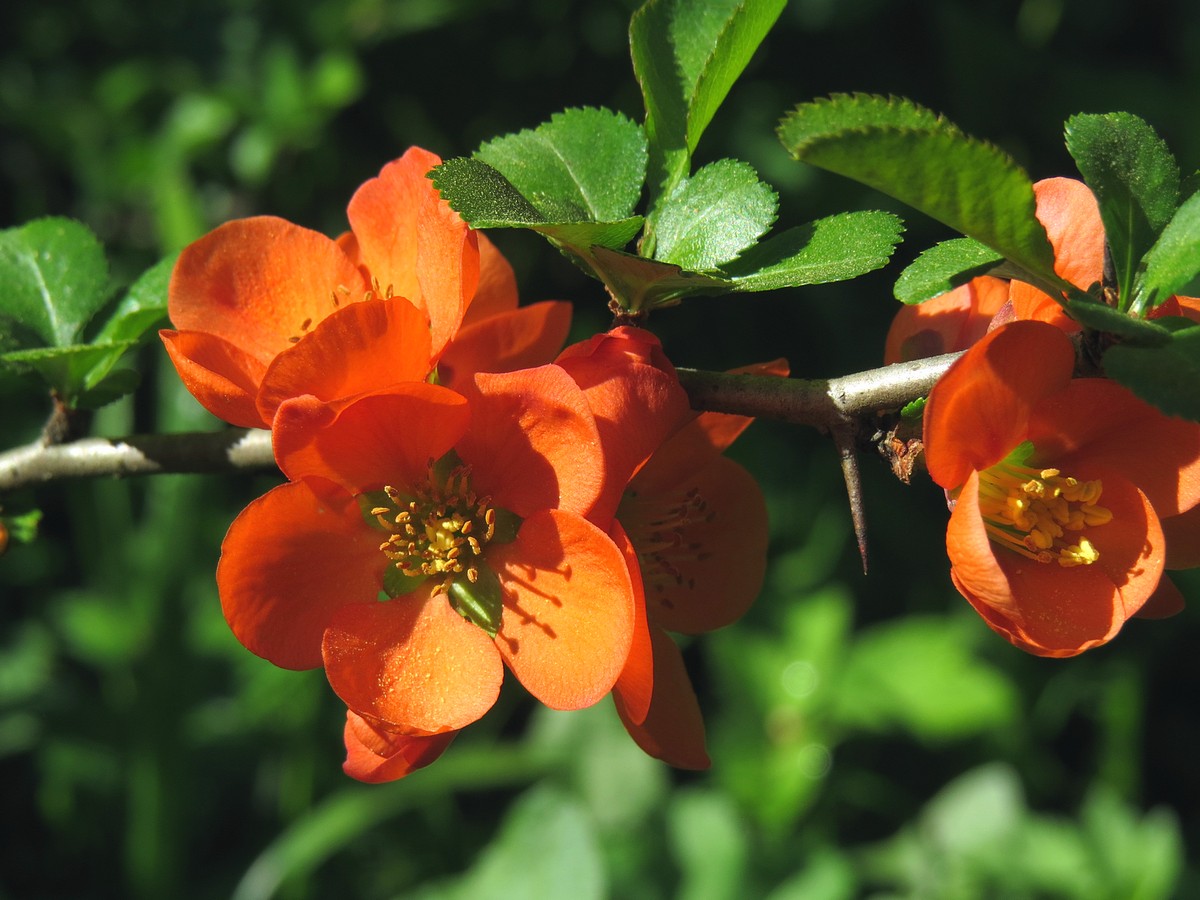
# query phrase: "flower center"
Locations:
[[1040, 513], [440, 531]]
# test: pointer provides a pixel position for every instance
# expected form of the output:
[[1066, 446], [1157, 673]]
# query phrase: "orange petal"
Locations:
[[256, 282], [362, 347], [414, 244], [637, 401], [1068, 210], [1095, 423], [1045, 608], [1183, 539], [698, 442], [511, 340], [979, 410], [289, 561], [1055, 628], [636, 684], [413, 663], [1032, 305], [447, 267], [702, 547], [376, 755], [533, 443], [384, 214], [973, 555], [673, 730], [569, 610], [1166, 601], [223, 378], [380, 439], [497, 290], [953, 321], [1132, 547]]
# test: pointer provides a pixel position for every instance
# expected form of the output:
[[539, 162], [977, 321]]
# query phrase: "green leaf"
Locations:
[[638, 283], [686, 55], [831, 249], [69, 370], [583, 165], [710, 843], [909, 153], [1172, 264], [920, 674], [55, 278], [546, 847], [486, 199], [1165, 376], [1099, 317], [112, 386], [713, 216], [142, 307], [944, 267], [483, 196], [1136, 182]]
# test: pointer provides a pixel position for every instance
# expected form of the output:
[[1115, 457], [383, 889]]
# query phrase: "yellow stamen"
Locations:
[[1030, 511], [438, 529]]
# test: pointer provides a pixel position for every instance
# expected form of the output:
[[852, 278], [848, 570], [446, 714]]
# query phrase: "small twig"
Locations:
[[820, 402], [844, 407], [828, 404], [236, 449]]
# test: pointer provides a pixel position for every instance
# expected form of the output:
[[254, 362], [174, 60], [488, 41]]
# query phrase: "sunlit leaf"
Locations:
[[583, 165], [831, 249], [1099, 317], [1172, 264], [486, 199], [920, 675], [1165, 376], [713, 216], [142, 307], [687, 54], [710, 843], [943, 267], [547, 847], [69, 370], [1136, 182], [640, 283], [55, 278], [908, 153]]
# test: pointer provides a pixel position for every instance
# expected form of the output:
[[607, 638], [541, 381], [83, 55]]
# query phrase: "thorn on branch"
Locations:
[[844, 440]]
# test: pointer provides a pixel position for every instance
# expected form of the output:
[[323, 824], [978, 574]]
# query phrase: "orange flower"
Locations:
[[1059, 489], [692, 525], [267, 310], [1068, 210], [952, 321], [469, 514], [376, 754]]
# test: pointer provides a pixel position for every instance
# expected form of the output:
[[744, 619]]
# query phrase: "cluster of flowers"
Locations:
[[461, 497], [1069, 496]]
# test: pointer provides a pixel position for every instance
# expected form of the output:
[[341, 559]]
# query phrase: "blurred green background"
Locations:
[[870, 737]]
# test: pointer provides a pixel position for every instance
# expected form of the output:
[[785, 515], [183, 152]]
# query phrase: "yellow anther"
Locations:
[[1029, 511]]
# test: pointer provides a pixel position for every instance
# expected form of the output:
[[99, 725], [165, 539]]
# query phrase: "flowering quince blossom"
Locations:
[[266, 310], [955, 320], [691, 522], [1060, 487], [468, 513]]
